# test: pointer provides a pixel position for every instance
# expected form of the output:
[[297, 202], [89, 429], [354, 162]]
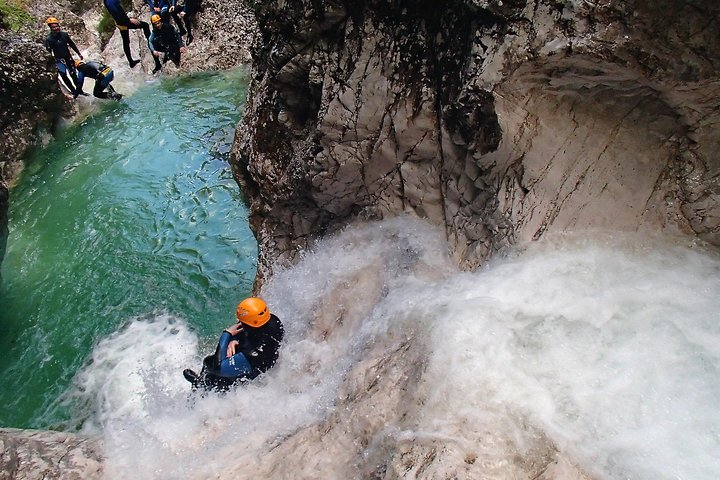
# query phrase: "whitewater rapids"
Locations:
[[602, 346]]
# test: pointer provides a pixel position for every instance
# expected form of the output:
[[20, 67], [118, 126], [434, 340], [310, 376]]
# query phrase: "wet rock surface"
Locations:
[[35, 454]]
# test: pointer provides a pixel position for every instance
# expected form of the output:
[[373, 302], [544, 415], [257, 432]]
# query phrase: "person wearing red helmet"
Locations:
[[245, 349]]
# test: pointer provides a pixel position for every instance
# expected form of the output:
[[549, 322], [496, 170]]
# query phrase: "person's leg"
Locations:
[[175, 57], [235, 367], [66, 81], [191, 8], [146, 29], [158, 65], [125, 35], [62, 72], [98, 90], [101, 85], [188, 26], [73, 75], [179, 21]]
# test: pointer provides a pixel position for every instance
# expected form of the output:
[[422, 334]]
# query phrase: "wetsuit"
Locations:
[[167, 9], [256, 352], [102, 74], [60, 43], [125, 25], [167, 40], [190, 8]]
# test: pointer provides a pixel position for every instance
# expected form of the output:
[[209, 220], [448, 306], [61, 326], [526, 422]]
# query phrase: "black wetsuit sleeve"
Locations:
[[73, 46]]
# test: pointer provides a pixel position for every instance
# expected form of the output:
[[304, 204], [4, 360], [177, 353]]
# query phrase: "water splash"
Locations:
[[603, 347]]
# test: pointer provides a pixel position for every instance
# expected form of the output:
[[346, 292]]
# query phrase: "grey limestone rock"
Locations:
[[35, 454], [500, 121]]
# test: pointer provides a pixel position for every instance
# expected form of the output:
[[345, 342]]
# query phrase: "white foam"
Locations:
[[609, 345]]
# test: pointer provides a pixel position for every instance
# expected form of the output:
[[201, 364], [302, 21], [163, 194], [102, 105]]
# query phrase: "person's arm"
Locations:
[[151, 38], [233, 331], [227, 344], [72, 45]]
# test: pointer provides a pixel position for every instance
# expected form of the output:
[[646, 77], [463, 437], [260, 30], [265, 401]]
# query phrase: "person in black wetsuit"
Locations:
[[125, 24], [102, 74], [60, 43], [167, 9], [190, 8], [245, 349], [164, 39]]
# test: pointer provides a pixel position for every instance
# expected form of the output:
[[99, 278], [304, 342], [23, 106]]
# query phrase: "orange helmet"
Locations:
[[155, 18], [52, 20], [253, 312]]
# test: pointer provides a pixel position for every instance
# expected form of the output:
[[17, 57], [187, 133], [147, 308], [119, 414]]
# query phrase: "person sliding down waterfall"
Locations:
[[164, 39], [102, 74], [245, 349]]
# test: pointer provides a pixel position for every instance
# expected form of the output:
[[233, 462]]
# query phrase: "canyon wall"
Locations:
[[500, 121]]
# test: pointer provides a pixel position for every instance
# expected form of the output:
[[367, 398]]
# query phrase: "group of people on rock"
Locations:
[[164, 42]]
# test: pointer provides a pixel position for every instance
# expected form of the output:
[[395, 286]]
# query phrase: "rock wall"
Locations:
[[29, 99], [35, 454], [500, 121]]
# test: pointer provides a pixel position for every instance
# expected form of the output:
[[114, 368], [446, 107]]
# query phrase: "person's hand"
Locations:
[[231, 348], [234, 329], [135, 21], [183, 49], [157, 9], [157, 54]]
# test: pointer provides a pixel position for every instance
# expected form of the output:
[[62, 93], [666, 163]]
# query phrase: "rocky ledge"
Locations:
[[35, 454]]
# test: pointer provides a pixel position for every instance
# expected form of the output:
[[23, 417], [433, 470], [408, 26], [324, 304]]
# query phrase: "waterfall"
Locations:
[[601, 345]]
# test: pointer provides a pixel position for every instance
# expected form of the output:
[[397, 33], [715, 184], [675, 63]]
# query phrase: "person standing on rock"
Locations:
[[245, 349], [102, 74], [164, 39], [60, 43], [125, 24]]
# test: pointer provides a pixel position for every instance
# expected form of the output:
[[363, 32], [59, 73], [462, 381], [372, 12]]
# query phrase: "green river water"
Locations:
[[131, 213]]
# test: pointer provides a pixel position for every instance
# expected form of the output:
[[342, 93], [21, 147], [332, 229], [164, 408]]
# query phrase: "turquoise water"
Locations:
[[131, 213]]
